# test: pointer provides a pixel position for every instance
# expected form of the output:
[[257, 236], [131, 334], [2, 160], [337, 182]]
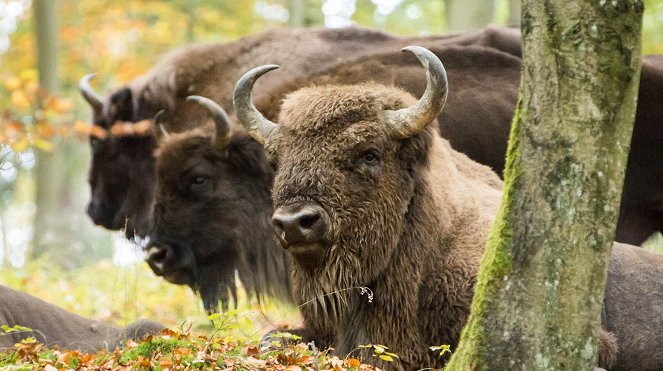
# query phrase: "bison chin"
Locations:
[[309, 255]]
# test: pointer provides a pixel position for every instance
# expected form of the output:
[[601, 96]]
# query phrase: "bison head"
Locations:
[[212, 210], [121, 175], [347, 160]]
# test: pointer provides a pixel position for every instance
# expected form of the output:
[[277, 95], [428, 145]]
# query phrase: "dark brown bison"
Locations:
[[369, 198], [122, 171], [55, 326], [197, 239], [212, 216]]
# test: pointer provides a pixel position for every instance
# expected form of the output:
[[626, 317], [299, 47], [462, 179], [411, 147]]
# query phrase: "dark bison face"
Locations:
[[121, 180], [211, 215], [121, 175]]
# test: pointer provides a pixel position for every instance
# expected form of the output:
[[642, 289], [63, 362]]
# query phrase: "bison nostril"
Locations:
[[159, 257], [307, 221], [299, 224]]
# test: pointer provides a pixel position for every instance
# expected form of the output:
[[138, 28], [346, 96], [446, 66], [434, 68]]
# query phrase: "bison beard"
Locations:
[[369, 197]]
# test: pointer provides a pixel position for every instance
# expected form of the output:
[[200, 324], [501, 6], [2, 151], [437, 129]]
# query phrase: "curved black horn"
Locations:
[[258, 126], [406, 122], [90, 96], [221, 120]]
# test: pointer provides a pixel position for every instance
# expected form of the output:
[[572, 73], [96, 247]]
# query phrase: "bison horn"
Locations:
[[221, 120], [258, 126], [406, 122], [90, 96], [162, 129]]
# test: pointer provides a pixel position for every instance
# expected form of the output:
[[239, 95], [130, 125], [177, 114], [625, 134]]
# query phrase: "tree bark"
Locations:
[[540, 287], [469, 15], [47, 180]]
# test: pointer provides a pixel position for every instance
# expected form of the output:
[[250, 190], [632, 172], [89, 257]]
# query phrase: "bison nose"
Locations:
[[159, 257], [296, 224]]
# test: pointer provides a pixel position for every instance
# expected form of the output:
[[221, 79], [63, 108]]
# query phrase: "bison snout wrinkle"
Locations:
[[300, 224]]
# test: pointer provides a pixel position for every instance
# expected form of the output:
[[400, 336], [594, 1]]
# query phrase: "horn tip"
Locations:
[[89, 76], [195, 98]]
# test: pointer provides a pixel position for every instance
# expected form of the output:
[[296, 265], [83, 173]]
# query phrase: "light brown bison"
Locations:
[[55, 326], [122, 171], [197, 237], [369, 198]]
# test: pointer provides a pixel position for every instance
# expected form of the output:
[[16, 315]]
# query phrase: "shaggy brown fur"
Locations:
[[53, 325], [196, 226], [121, 175], [411, 228], [212, 216]]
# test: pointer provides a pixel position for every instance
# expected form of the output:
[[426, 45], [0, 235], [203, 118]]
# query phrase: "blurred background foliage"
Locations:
[[76, 262]]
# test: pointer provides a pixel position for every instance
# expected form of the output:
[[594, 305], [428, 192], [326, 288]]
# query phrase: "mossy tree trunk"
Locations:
[[540, 288]]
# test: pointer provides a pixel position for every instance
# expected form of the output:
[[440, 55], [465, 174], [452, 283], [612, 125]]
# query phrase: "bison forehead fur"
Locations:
[[410, 228]]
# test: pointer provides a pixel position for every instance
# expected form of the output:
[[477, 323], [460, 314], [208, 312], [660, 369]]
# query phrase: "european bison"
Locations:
[[194, 225], [122, 171], [55, 326], [212, 215], [368, 197]]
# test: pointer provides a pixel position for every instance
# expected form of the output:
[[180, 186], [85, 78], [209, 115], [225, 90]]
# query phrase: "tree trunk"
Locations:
[[540, 288], [47, 180], [297, 9], [514, 13], [468, 15]]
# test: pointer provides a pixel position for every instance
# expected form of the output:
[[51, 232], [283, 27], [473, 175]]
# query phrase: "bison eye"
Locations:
[[199, 180], [370, 158]]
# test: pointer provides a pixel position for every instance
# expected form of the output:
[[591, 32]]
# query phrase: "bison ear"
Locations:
[[121, 106]]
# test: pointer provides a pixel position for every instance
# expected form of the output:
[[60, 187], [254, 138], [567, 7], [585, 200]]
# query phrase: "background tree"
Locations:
[[540, 288], [469, 15], [47, 177]]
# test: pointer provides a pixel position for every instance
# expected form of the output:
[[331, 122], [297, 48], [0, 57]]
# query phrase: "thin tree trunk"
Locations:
[[6, 248], [514, 13], [469, 15], [47, 180], [297, 9], [539, 293], [191, 20]]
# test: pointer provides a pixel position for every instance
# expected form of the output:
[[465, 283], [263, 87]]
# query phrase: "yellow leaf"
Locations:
[[21, 145], [43, 145], [20, 99], [29, 74]]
